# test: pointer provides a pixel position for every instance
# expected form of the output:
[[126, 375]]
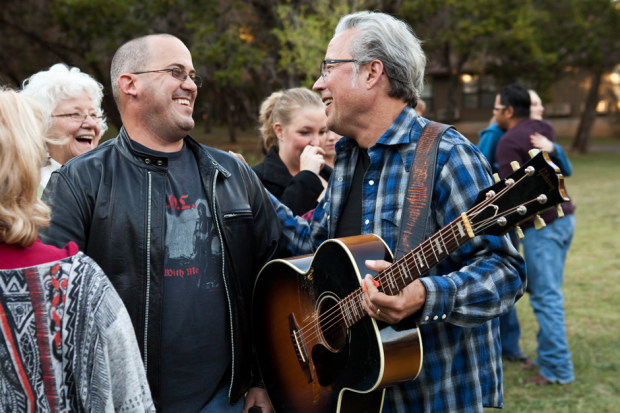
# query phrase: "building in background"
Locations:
[[564, 103]]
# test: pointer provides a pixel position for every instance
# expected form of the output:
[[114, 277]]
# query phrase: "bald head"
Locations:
[[133, 56]]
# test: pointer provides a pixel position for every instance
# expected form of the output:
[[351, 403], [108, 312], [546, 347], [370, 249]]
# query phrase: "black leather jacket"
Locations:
[[110, 202]]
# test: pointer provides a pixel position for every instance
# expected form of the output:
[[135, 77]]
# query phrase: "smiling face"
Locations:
[[81, 136], [308, 127], [167, 104], [340, 91], [536, 108]]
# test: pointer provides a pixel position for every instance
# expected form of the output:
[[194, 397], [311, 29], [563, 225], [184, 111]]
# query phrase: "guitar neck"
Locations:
[[411, 266]]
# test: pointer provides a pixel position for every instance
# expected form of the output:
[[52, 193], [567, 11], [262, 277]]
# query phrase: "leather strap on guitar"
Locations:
[[416, 209]]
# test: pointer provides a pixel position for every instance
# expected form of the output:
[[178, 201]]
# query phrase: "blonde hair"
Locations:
[[22, 151], [280, 108]]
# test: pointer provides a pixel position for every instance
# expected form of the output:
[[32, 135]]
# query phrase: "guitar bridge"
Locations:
[[300, 347]]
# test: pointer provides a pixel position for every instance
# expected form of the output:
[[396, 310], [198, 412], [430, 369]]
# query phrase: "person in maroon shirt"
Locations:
[[545, 250]]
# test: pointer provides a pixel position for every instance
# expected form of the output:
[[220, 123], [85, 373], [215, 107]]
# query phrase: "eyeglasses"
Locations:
[[78, 117], [499, 107], [178, 74], [327, 70]]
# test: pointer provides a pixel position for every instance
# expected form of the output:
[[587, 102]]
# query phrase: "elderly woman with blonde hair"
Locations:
[[65, 336], [70, 102]]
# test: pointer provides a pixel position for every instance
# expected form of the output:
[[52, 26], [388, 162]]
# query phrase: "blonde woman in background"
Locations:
[[329, 146], [70, 101], [293, 126], [66, 337]]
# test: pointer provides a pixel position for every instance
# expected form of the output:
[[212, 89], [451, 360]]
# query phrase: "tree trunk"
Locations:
[[230, 119], [588, 116]]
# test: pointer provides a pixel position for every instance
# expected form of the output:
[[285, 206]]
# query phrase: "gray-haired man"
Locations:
[[180, 229], [370, 82]]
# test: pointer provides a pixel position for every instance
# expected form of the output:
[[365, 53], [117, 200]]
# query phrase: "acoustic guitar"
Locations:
[[319, 352]]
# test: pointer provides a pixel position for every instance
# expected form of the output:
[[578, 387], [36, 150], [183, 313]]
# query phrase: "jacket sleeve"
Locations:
[[489, 274], [302, 193], [69, 214], [488, 144]]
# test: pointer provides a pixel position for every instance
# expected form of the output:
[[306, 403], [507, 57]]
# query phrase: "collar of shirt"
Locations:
[[399, 134], [390, 159]]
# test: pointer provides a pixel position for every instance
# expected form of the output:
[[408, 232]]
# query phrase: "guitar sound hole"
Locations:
[[333, 327]]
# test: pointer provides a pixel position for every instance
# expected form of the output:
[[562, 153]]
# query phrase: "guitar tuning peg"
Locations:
[[539, 223], [515, 165], [560, 211], [519, 233], [496, 178], [533, 152]]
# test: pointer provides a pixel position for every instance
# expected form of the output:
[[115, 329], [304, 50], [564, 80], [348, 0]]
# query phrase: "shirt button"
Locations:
[[147, 161], [443, 317], [426, 318], [371, 182], [160, 162], [214, 163], [328, 217], [367, 222], [435, 318], [340, 179]]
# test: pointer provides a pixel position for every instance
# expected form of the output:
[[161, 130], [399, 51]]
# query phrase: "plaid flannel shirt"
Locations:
[[461, 369]]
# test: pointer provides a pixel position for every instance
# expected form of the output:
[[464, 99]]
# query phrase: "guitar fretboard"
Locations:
[[410, 267]]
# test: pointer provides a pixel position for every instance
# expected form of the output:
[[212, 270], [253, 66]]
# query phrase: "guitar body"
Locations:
[[315, 365]]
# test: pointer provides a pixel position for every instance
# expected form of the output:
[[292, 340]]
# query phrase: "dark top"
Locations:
[[514, 146], [299, 192], [196, 347], [350, 222]]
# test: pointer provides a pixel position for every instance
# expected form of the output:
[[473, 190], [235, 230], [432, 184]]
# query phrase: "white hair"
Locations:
[[60, 82], [382, 37]]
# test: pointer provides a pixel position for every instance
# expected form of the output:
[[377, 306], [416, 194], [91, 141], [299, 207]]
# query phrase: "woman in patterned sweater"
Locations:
[[66, 341]]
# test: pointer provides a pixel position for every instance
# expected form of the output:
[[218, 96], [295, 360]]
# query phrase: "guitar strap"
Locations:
[[417, 206]]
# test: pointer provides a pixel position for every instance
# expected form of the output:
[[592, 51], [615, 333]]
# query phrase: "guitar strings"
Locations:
[[335, 314], [328, 320], [352, 298]]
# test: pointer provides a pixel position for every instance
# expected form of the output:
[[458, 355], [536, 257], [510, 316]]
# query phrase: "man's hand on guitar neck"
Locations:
[[393, 308]]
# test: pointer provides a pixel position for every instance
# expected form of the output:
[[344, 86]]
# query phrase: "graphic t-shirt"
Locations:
[[196, 349]]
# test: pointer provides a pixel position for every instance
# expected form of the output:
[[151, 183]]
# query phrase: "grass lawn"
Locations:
[[592, 291]]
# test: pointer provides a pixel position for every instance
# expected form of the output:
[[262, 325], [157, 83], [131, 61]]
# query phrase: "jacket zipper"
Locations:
[[232, 342], [148, 272]]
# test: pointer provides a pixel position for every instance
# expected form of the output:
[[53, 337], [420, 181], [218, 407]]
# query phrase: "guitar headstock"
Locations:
[[535, 187]]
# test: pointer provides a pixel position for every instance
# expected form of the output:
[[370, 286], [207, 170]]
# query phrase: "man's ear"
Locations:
[[375, 71], [127, 85], [509, 112]]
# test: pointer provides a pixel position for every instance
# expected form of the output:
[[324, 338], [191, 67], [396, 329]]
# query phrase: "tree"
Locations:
[[598, 52], [459, 32], [82, 33]]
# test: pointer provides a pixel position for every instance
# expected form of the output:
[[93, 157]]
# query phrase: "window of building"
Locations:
[[478, 91], [427, 94]]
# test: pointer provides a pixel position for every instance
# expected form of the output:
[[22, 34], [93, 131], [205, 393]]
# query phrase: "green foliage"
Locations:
[[305, 33]]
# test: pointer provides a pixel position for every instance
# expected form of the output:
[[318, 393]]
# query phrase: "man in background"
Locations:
[[544, 250]]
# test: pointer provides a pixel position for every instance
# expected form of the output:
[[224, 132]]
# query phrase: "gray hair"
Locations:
[[132, 56], [382, 37], [60, 82]]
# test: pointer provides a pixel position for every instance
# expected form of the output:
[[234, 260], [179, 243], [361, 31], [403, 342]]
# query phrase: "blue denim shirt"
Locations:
[[465, 293]]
